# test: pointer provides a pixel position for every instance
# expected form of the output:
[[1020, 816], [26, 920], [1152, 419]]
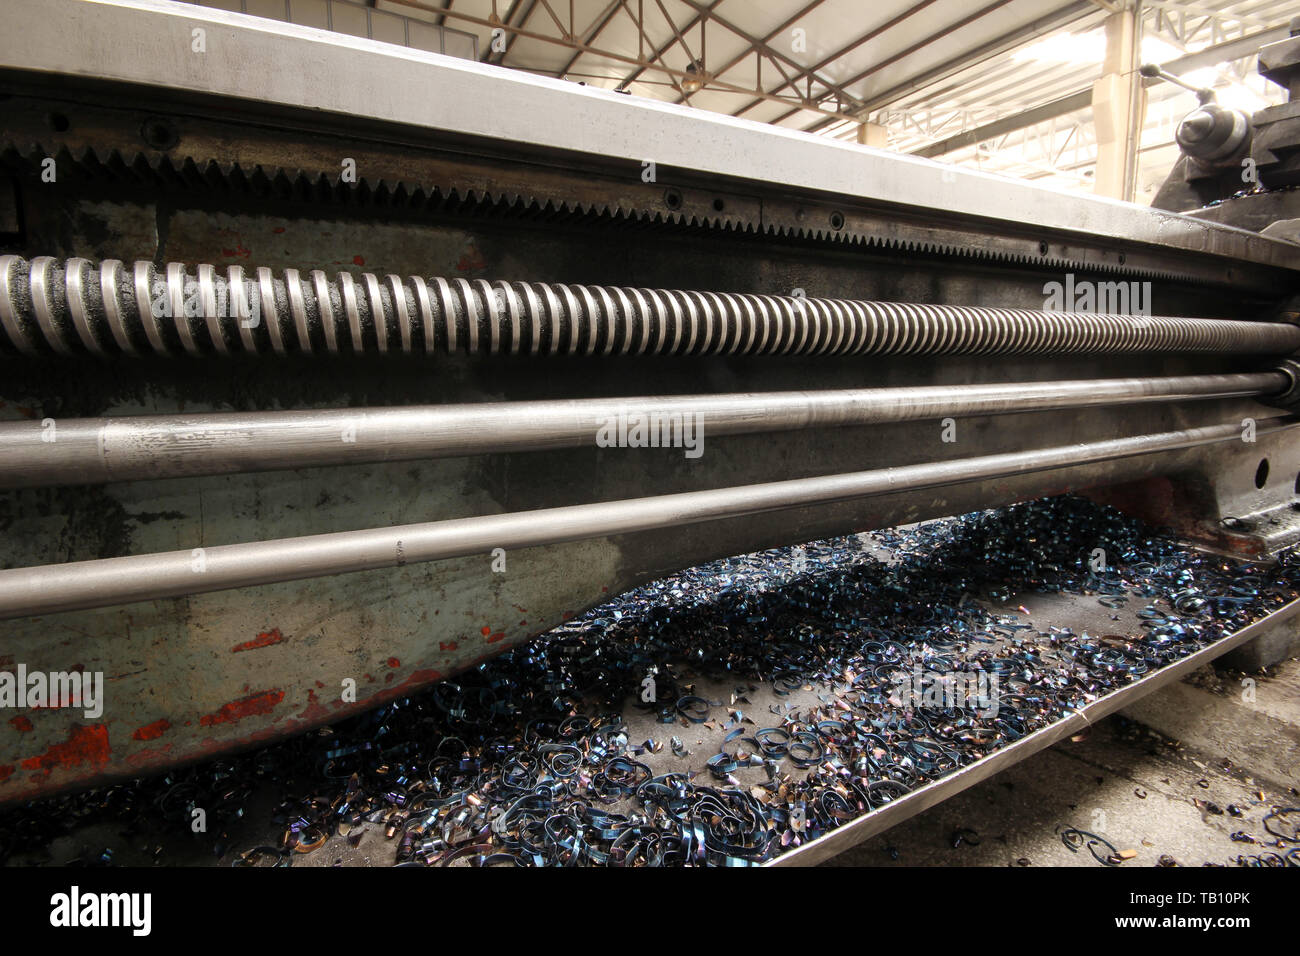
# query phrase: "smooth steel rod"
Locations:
[[108, 581], [91, 450]]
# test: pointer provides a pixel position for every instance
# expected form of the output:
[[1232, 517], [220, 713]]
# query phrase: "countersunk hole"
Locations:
[[1297, 483], [1122, 258], [1042, 248], [837, 221], [159, 133], [1261, 473], [718, 205], [58, 122], [672, 198]]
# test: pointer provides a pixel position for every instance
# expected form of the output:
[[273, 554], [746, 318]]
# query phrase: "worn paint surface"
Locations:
[[194, 677], [191, 678]]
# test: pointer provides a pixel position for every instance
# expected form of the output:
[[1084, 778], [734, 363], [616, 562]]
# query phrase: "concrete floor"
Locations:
[[1221, 749]]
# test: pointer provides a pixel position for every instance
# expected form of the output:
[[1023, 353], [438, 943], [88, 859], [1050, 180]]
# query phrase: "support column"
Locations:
[[873, 134], [1119, 105]]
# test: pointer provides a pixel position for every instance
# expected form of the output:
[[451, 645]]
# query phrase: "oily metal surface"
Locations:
[[173, 649], [539, 119], [91, 450], [50, 589], [71, 306], [231, 670]]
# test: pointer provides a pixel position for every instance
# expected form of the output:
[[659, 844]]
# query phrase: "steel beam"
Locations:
[[656, 54], [881, 64], [843, 51], [507, 22], [787, 24], [1075, 102], [762, 46], [995, 47], [573, 43], [1008, 124], [593, 33]]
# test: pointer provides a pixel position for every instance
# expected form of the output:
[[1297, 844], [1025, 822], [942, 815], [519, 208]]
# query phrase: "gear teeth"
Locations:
[[142, 168]]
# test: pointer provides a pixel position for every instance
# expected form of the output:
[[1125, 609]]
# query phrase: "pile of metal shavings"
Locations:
[[1258, 189], [534, 758]]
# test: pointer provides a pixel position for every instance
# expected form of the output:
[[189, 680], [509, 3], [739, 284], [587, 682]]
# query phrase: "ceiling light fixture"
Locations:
[[694, 78]]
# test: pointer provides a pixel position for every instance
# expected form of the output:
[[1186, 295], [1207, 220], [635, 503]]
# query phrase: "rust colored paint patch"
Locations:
[[152, 731], [21, 724], [446, 645], [358, 260], [265, 639], [6, 771], [204, 747], [499, 635], [260, 703], [315, 711], [84, 745], [418, 679], [394, 662]]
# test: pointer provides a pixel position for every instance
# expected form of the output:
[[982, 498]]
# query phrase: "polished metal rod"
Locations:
[[85, 584], [91, 450]]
